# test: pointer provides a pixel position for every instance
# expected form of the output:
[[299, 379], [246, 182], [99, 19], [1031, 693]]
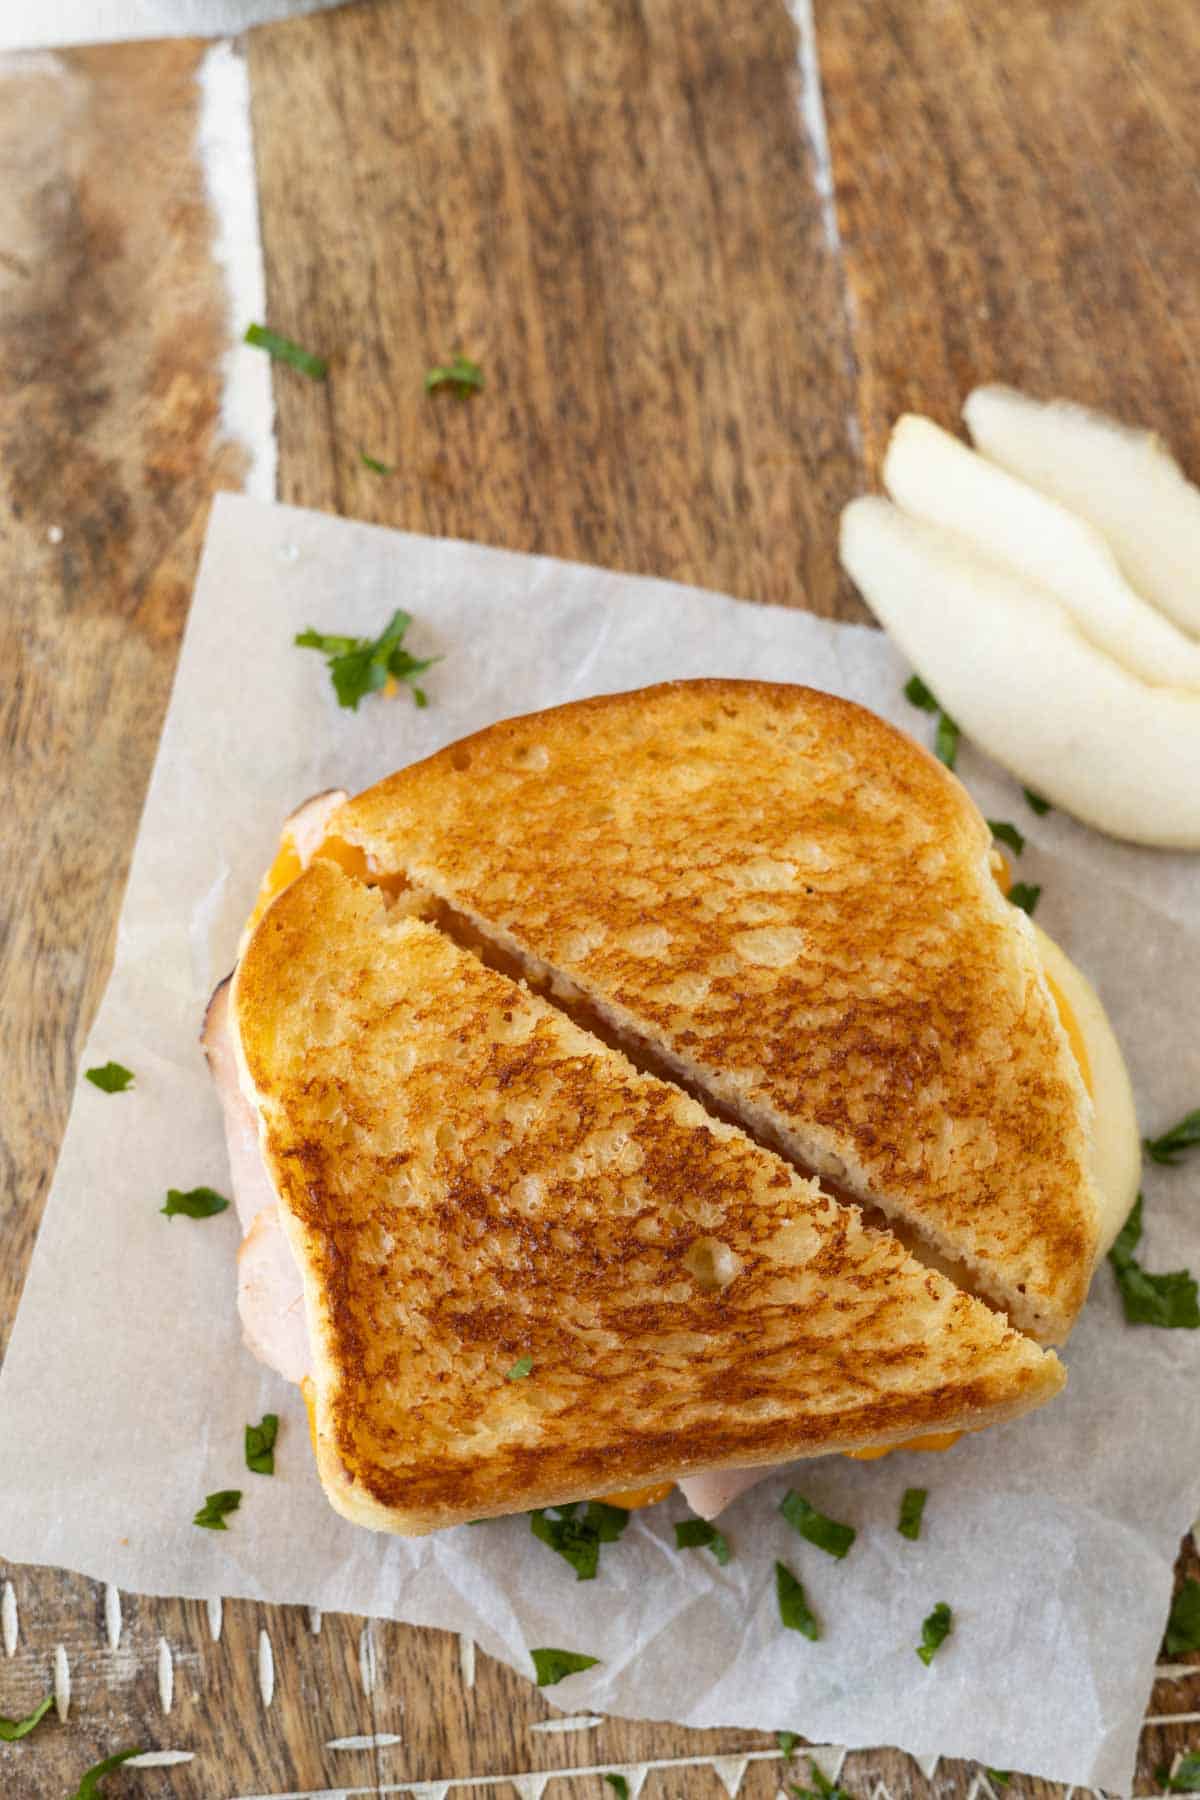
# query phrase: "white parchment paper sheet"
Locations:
[[126, 1388]]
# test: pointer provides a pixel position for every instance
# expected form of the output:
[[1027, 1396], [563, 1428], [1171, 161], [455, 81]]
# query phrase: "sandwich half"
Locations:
[[534, 1274], [684, 1037]]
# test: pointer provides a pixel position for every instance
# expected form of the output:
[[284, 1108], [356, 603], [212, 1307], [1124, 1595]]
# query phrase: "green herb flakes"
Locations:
[[934, 1632], [284, 350], [361, 666], [912, 1506], [553, 1666], [196, 1203], [213, 1513], [1171, 1145], [13, 1730], [825, 1533], [794, 1610], [702, 1534], [110, 1078], [260, 1445], [1169, 1301]]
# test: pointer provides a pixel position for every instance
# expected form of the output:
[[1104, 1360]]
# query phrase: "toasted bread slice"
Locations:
[[468, 1180], [790, 903]]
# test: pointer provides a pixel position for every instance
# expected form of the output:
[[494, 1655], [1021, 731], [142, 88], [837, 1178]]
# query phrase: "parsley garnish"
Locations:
[[520, 1369], [1001, 1777], [1004, 833], [212, 1513], [284, 350], [89, 1787], [1026, 895], [619, 1786], [1170, 1146], [578, 1540], [825, 1533], [918, 694], [794, 1609], [13, 1730], [260, 1445], [110, 1078], [1183, 1626], [822, 1788], [553, 1666], [1036, 803], [702, 1534], [1166, 1300], [787, 1740], [945, 743], [934, 1632], [1185, 1780], [361, 666], [196, 1203], [376, 467], [911, 1508], [460, 373]]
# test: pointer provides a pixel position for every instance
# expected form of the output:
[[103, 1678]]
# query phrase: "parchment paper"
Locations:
[[126, 1387]]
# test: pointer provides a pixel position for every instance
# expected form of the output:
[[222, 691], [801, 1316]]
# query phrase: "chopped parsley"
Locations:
[[825, 1533], [361, 666], [1186, 1777], [794, 1610], [1183, 1626], [912, 1506], [89, 1787], [13, 1730], [702, 1534], [619, 1786], [196, 1203], [1000, 1777], [284, 350], [520, 1369], [787, 1740], [945, 742], [577, 1538], [552, 1666], [1168, 1300], [822, 1788], [1170, 1146], [110, 1078], [460, 373], [1036, 803], [1005, 833], [918, 694], [212, 1514], [376, 467], [934, 1632], [260, 1445], [1026, 895]]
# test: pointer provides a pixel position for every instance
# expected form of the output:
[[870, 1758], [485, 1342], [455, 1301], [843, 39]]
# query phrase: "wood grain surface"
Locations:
[[695, 335]]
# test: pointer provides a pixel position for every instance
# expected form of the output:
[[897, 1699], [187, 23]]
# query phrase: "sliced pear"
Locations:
[[935, 477], [1125, 482], [1009, 663], [1116, 1144]]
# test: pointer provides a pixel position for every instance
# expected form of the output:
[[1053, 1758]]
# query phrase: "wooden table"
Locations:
[[697, 318]]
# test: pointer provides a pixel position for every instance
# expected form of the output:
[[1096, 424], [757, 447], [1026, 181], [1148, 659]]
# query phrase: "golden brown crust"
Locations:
[[794, 900], [467, 1179]]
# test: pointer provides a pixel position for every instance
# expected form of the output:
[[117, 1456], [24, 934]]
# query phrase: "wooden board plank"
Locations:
[[615, 207], [612, 207], [1043, 159]]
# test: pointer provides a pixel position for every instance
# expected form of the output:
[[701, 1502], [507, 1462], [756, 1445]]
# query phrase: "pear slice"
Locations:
[[1125, 482], [1011, 665], [935, 477]]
